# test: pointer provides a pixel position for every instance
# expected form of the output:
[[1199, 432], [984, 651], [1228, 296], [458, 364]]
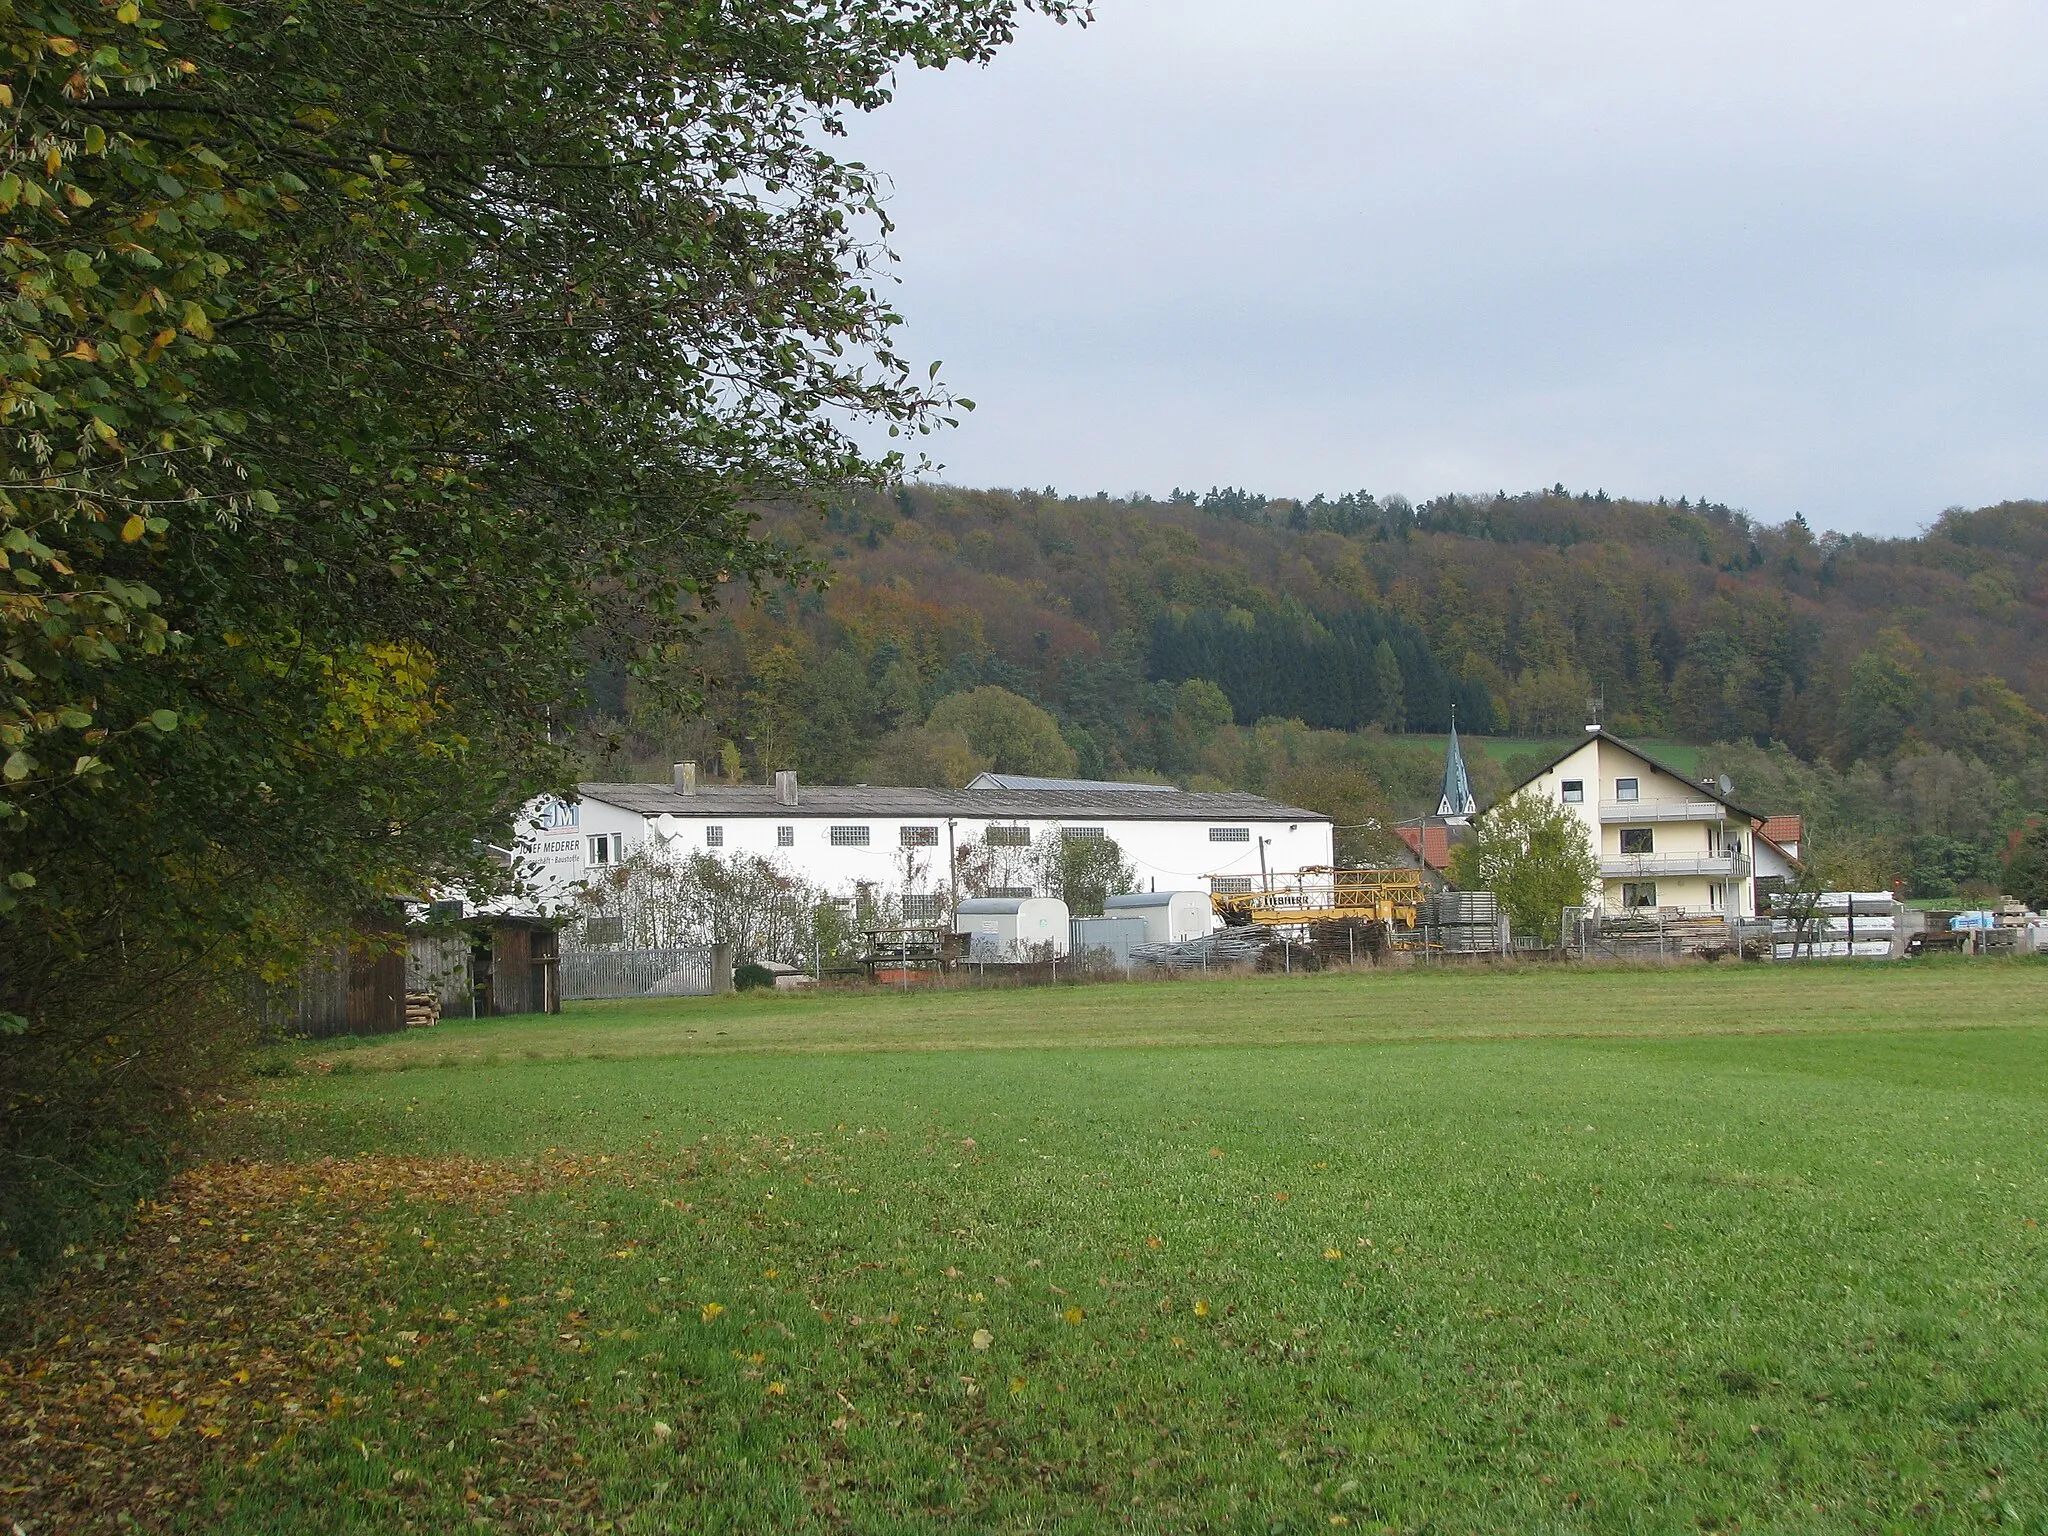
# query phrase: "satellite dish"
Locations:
[[667, 825], [1727, 784]]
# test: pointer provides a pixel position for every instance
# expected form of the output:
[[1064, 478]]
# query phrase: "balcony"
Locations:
[[1643, 812], [1659, 866]]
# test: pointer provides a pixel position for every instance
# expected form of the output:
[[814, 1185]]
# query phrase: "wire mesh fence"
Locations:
[[590, 974]]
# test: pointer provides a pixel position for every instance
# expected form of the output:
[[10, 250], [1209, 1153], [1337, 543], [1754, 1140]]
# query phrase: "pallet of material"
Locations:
[[422, 1010]]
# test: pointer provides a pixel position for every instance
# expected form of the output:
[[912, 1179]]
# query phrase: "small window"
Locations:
[[600, 931], [1230, 834], [1624, 789], [1574, 791], [785, 837], [920, 837], [1082, 834], [1232, 885], [606, 848], [714, 837], [921, 908], [1638, 894], [1009, 837], [849, 837], [1638, 840], [1020, 892]]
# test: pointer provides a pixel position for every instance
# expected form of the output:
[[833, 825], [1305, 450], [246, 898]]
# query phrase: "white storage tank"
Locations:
[[1012, 928], [1171, 917]]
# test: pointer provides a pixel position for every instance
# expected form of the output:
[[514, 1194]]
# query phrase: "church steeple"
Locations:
[[1456, 804]]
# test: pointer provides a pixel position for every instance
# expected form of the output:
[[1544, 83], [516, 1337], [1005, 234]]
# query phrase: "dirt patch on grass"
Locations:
[[230, 1320]]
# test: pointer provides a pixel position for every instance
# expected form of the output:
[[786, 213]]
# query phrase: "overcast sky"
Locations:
[[1793, 257]]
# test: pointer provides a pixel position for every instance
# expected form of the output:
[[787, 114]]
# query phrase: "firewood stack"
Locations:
[[422, 1010]]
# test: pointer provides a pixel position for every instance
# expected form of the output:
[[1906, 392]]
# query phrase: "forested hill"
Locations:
[[1693, 621]]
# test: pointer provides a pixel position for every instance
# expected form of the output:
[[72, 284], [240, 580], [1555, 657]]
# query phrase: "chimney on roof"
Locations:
[[685, 778], [785, 786]]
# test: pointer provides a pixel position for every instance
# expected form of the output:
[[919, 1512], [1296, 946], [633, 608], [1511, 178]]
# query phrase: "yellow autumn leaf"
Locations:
[[394, 1361], [63, 47], [133, 529], [160, 1417], [1017, 1384], [982, 1338], [1073, 1314], [85, 352], [778, 1389], [1333, 1253], [711, 1311], [129, 14], [1201, 1309]]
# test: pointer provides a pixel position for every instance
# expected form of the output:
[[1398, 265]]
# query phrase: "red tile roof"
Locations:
[[1781, 829], [1432, 844]]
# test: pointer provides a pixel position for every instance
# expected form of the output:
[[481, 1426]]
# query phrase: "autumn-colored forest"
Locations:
[[1890, 689]]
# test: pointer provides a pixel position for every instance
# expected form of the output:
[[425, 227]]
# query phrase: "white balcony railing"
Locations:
[[1656, 866], [1645, 811]]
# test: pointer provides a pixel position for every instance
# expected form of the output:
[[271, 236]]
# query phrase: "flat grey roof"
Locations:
[[1084, 786], [841, 801]]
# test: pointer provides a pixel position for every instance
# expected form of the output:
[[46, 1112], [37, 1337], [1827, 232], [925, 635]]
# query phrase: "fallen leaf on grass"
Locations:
[[1333, 1253], [778, 1389], [1201, 1309], [711, 1311], [983, 1338], [1074, 1315], [661, 1430]]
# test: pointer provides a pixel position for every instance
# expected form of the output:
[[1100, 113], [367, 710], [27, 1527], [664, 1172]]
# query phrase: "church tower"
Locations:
[[1456, 804]]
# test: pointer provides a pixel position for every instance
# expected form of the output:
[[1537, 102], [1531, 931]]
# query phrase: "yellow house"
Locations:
[[1666, 841]]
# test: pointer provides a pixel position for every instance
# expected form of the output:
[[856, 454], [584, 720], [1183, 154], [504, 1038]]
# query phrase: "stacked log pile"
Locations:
[[422, 1010]]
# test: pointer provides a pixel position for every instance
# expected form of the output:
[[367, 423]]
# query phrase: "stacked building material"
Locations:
[[1223, 950], [1837, 925], [422, 1010]]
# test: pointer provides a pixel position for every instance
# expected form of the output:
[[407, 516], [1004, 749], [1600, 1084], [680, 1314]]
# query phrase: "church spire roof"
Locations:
[[1456, 803]]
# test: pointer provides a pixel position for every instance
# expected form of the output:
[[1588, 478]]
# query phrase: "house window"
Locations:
[[785, 837], [1639, 894], [606, 848], [920, 837], [1574, 791], [1232, 885], [714, 837], [599, 931], [1019, 892], [1082, 834], [920, 908], [1009, 837], [1230, 834], [1638, 840], [1624, 789], [849, 837]]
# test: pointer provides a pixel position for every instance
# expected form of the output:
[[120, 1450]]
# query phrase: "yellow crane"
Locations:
[[1324, 895]]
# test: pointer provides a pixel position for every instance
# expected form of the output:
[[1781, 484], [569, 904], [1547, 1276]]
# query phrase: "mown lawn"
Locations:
[[1741, 1249]]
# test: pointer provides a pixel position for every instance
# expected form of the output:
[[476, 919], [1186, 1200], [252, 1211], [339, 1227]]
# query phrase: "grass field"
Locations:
[[1692, 1249]]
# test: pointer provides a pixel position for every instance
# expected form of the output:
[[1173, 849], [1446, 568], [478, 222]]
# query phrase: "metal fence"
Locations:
[[596, 973]]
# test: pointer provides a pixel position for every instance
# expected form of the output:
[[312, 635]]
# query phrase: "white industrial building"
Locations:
[[923, 848]]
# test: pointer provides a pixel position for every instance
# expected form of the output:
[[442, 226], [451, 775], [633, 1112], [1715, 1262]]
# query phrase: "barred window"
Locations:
[[920, 837], [785, 837], [1232, 885], [1230, 834], [714, 837], [849, 837], [1082, 834], [1020, 892], [1009, 837], [921, 908]]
